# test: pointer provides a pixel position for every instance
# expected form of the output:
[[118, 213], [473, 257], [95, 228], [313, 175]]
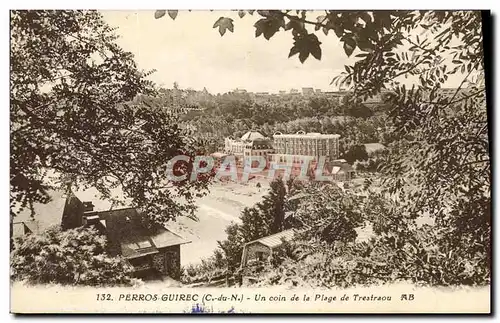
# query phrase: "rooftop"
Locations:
[[252, 135], [124, 229], [275, 240], [299, 134]]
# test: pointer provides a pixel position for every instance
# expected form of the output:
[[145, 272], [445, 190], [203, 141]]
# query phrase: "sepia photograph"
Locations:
[[250, 161]]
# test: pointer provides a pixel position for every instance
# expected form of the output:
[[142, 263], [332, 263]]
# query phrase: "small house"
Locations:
[[262, 249], [339, 170], [149, 250]]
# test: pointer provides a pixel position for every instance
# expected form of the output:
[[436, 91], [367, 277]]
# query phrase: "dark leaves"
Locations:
[[160, 13], [305, 45], [296, 26], [98, 96], [241, 13], [224, 23], [349, 46], [320, 20], [364, 44], [173, 13], [294, 50], [268, 26]]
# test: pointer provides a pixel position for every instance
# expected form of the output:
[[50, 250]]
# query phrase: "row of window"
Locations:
[[256, 153]]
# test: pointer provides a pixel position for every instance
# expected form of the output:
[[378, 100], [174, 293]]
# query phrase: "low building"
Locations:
[[338, 96], [149, 250], [340, 171], [262, 249], [307, 91], [240, 91]]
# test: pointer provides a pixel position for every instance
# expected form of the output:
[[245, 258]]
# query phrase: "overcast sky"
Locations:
[[193, 54]]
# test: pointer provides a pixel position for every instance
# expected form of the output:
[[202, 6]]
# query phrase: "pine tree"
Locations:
[[273, 206]]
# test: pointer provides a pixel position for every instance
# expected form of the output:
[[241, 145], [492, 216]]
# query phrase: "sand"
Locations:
[[216, 211]]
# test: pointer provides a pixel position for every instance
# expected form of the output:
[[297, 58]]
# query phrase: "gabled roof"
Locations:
[[126, 231], [275, 240], [50, 214], [335, 167], [47, 215], [72, 212]]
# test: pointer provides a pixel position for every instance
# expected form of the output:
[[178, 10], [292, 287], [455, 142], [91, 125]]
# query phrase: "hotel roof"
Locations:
[[314, 135], [252, 135]]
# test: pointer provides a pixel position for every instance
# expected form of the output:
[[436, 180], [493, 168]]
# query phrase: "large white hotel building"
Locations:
[[291, 147], [294, 149]]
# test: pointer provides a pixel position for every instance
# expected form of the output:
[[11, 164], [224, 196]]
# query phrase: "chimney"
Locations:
[[88, 206]]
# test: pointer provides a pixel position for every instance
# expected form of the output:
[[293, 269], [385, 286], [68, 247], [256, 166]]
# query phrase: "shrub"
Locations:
[[212, 268], [76, 256]]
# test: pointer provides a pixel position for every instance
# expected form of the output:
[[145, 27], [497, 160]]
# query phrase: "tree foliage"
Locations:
[[73, 114], [76, 257], [357, 152], [265, 218], [438, 160]]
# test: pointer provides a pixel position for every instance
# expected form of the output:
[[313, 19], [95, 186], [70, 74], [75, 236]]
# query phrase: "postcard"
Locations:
[[250, 161]]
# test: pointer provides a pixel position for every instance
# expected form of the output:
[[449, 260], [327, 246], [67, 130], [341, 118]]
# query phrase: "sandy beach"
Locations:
[[216, 211]]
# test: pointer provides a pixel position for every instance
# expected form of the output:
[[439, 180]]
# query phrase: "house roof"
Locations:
[[126, 231], [338, 167], [128, 237], [251, 136], [47, 215], [275, 240], [166, 238], [50, 214]]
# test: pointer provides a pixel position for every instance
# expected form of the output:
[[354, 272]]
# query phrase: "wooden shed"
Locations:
[[261, 249]]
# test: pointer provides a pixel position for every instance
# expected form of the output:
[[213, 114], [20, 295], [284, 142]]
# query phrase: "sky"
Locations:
[[189, 51], [193, 54]]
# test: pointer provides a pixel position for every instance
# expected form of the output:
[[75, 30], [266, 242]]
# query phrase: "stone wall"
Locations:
[[253, 249]]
